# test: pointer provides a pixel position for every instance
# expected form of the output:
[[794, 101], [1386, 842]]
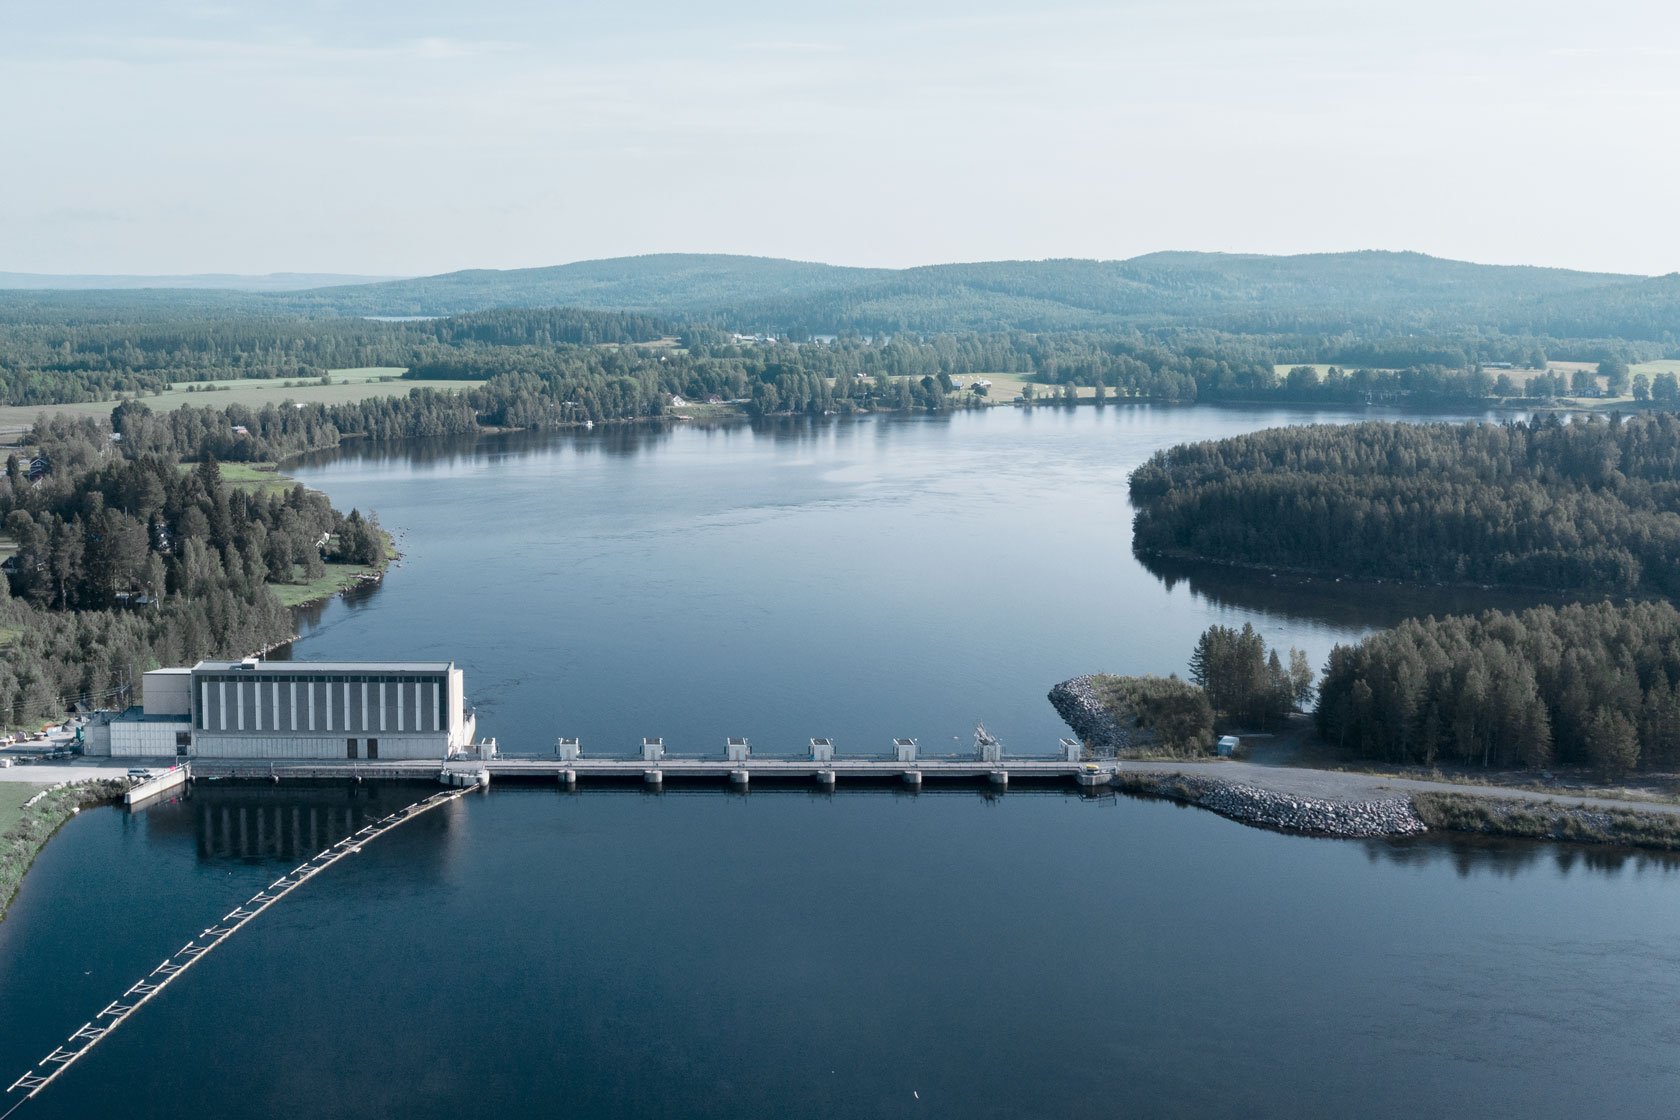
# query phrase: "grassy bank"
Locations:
[[338, 578], [23, 831], [268, 479], [1548, 820]]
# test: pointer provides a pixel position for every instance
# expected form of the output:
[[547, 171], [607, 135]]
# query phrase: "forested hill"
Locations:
[[1590, 506], [270, 282], [1370, 293]]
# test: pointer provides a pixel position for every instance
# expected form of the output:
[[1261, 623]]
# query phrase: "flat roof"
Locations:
[[328, 666], [141, 715]]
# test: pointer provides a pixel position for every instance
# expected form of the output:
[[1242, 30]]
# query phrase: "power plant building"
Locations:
[[255, 709]]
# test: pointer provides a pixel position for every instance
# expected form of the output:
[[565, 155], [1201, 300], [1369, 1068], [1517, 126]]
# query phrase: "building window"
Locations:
[[373, 748], [350, 748]]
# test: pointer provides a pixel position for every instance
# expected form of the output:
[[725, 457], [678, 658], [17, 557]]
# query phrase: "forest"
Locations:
[[1246, 683], [64, 357], [1594, 685], [1363, 294], [1590, 506], [1399, 328], [564, 365], [125, 561]]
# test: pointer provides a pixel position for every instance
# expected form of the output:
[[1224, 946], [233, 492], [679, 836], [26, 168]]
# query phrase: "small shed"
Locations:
[[1227, 746]]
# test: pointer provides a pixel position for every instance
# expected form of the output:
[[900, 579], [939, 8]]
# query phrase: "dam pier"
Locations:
[[736, 767], [407, 720]]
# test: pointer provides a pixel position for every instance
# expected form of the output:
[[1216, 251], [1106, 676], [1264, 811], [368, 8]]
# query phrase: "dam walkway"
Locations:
[[736, 767]]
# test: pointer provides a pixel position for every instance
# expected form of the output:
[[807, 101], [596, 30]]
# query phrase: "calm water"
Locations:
[[782, 953], [856, 580]]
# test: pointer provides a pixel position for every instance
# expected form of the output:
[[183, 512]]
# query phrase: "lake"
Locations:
[[869, 953]]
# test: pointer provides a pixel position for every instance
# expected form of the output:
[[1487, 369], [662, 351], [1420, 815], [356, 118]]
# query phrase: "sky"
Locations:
[[415, 137]]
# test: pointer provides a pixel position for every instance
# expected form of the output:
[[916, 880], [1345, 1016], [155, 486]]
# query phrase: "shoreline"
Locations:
[[1349, 804], [41, 818], [1511, 814], [1279, 812], [352, 577]]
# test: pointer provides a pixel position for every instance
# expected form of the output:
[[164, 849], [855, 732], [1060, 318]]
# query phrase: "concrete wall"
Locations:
[[208, 744], [145, 739], [168, 692], [459, 733], [96, 740]]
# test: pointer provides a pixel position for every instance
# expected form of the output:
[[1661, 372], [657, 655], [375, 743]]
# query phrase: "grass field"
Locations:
[[1321, 368], [1005, 387], [12, 797], [339, 577], [250, 476], [348, 386]]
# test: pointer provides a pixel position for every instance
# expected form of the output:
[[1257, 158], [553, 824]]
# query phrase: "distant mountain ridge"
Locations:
[[1376, 292], [217, 281]]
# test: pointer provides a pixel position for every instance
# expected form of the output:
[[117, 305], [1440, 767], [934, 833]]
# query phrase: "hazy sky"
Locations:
[[417, 136]]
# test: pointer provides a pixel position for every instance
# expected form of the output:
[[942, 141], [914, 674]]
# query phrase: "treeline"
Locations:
[[35, 386], [51, 357], [159, 348], [1247, 683], [125, 561], [1585, 506], [545, 326], [1594, 685], [1192, 366], [1234, 678], [854, 372]]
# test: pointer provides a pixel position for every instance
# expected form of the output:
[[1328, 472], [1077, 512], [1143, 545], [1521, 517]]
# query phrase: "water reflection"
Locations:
[[1510, 857], [1329, 601], [283, 824]]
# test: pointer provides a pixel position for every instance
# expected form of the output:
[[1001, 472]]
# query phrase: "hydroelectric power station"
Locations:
[[281, 720]]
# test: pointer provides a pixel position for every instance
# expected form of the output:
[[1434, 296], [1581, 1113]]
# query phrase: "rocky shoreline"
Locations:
[[1095, 726], [1305, 816]]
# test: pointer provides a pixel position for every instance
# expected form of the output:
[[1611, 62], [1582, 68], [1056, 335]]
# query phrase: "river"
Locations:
[[704, 954]]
